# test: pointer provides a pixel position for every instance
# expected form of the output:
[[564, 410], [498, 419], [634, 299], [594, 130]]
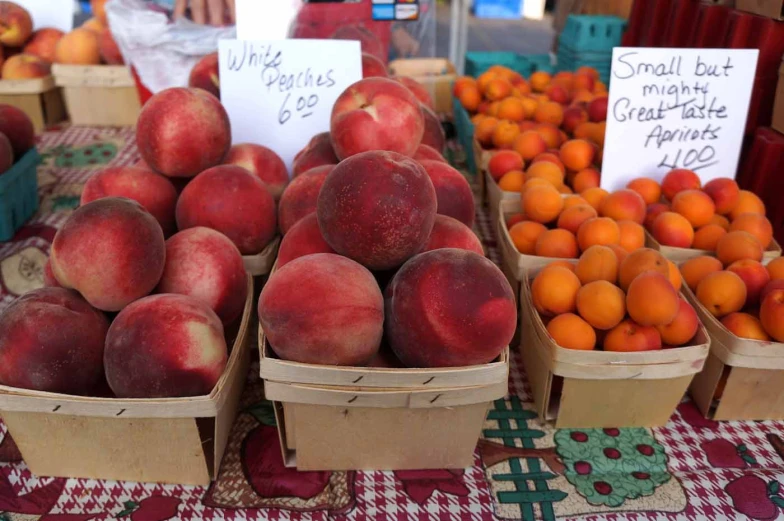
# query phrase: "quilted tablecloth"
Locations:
[[692, 469]]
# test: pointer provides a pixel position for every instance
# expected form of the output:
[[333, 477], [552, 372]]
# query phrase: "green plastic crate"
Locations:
[[465, 133], [592, 33], [18, 194], [525, 64]]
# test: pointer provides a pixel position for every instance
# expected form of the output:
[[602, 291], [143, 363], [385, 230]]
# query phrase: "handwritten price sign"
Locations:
[[280, 93], [676, 108]]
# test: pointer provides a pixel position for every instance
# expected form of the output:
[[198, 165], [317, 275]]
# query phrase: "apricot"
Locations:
[[461, 83], [776, 268], [622, 205], [538, 181], [492, 109], [572, 332], [678, 180], [529, 144], [512, 181], [542, 203], [574, 200], [602, 304], [514, 219], [539, 81], [772, 314], [754, 276], [722, 293], [737, 245], [757, 225], [525, 234], [557, 243], [696, 206], [721, 221], [620, 252], [585, 179], [748, 202], [629, 337], [696, 269], [632, 235], [649, 190], [573, 116], [549, 112], [529, 106], [504, 161], [673, 229], [563, 263], [724, 192], [504, 134], [571, 218], [546, 170], [550, 134], [745, 326], [652, 212], [598, 231], [674, 275], [595, 196], [707, 237], [511, 109], [554, 291], [558, 93], [470, 97], [483, 131], [651, 300], [550, 157], [639, 262], [577, 154], [498, 89], [597, 263], [682, 328]]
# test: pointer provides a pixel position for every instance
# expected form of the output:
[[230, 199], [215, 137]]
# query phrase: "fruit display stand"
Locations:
[[39, 98], [436, 74], [101, 95], [365, 418], [678, 255], [18, 194], [604, 389], [754, 372], [172, 440], [261, 264]]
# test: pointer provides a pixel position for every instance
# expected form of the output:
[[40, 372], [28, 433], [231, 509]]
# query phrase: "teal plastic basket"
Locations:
[[592, 33], [18, 194], [541, 62], [465, 133], [478, 62]]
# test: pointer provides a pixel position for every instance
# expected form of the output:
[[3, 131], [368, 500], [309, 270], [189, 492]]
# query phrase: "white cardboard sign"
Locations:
[[50, 13], [676, 108], [279, 94]]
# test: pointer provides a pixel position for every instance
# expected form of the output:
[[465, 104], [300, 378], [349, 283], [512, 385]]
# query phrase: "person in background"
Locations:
[[213, 12]]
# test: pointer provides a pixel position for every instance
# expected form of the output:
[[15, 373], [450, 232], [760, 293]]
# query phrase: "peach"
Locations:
[[722, 293], [724, 192], [737, 245], [261, 162], [182, 132], [549, 112], [674, 275], [602, 304], [776, 268], [745, 326], [696, 269], [639, 262], [601, 231], [318, 152], [557, 243], [630, 337], [721, 221], [110, 52], [425, 152], [98, 8], [119, 237], [153, 191], [585, 179], [453, 192], [18, 128], [748, 202], [649, 190], [52, 340], [772, 314], [95, 25], [16, 25], [542, 204], [376, 114], [417, 89], [449, 307], [512, 181], [673, 229], [50, 281], [651, 300], [504, 161], [323, 309], [529, 144], [165, 346], [597, 110], [632, 235], [204, 264], [451, 233], [754, 276], [757, 225], [206, 75], [525, 234], [378, 236], [25, 66], [572, 332], [434, 134], [373, 67], [683, 327], [573, 116], [571, 218], [546, 170], [622, 205], [707, 237], [79, 47], [597, 263], [43, 43], [304, 238], [300, 197], [678, 180], [577, 154], [595, 196], [696, 206], [233, 201], [554, 291]]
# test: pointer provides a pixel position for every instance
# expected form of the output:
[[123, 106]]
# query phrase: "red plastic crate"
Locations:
[[712, 22], [749, 31], [763, 95], [682, 19], [761, 174], [637, 17], [658, 16]]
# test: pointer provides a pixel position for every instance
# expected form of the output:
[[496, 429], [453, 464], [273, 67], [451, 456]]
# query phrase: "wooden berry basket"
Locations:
[[39, 98], [604, 389], [365, 418], [755, 374], [261, 264], [437, 75], [172, 440], [678, 255], [482, 158], [99, 95]]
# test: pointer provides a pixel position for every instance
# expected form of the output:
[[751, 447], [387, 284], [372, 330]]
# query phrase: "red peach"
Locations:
[[300, 197], [109, 50], [318, 152], [16, 25], [425, 152], [434, 135], [261, 162], [50, 281], [448, 232], [724, 192], [453, 192], [206, 75], [165, 346], [18, 128], [417, 89], [25, 67], [304, 238], [233, 201], [43, 43], [678, 180], [373, 67], [597, 109], [754, 276]]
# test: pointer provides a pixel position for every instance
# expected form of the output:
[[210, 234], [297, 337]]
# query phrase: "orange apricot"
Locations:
[[776, 268], [529, 144], [707, 237], [748, 202], [632, 235], [577, 154], [674, 275], [673, 229], [524, 235], [505, 133], [498, 89], [550, 158], [539, 81], [695, 205], [512, 181], [585, 179], [470, 98], [483, 131], [557, 243], [546, 170], [598, 231], [721, 221], [697, 268], [571, 218], [722, 293], [649, 190], [574, 200], [594, 196], [549, 112], [542, 204], [550, 134], [745, 326], [639, 262], [623, 205], [738, 245], [724, 192], [554, 291], [757, 225], [597, 263], [602, 304], [682, 328], [511, 109], [504, 161], [678, 180], [572, 332], [620, 252], [651, 300], [631, 337]]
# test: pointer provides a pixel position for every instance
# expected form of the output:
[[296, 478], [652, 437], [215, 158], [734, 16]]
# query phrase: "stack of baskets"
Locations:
[[588, 40]]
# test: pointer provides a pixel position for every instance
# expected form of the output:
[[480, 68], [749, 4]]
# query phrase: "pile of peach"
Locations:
[[17, 136], [718, 217], [746, 296], [600, 302], [26, 54], [378, 249]]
